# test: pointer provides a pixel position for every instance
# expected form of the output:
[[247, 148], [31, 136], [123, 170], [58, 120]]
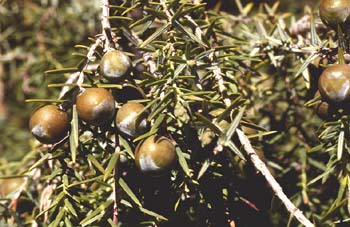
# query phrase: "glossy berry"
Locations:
[[334, 12], [49, 124], [155, 155], [96, 106], [114, 65], [322, 109], [129, 122], [334, 83]]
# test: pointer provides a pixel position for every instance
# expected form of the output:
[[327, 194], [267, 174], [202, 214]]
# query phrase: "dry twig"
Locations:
[[260, 165], [108, 36]]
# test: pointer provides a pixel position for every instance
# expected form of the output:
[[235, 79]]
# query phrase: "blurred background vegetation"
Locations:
[[36, 36]]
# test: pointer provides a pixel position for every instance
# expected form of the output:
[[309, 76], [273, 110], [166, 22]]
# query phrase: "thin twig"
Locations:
[[166, 10], [108, 36], [196, 2], [216, 69], [260, 165], [302, 26], [147, 57], [106, 26], [89, 57], [76, 77], [116, 176], [79, 76]]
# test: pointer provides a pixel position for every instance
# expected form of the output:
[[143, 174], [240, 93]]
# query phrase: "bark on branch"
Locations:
[[260, 165]]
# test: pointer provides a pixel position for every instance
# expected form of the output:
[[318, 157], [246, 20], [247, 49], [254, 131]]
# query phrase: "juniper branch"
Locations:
[[260, 165]]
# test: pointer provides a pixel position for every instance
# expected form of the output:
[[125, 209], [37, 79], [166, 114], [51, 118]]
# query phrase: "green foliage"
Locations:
[[205, 73]]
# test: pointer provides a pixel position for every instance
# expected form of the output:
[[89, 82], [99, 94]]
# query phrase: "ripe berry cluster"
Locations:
[[96, 106], [334, 82]]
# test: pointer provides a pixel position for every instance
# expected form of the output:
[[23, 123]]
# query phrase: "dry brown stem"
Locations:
[[260, 165]]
